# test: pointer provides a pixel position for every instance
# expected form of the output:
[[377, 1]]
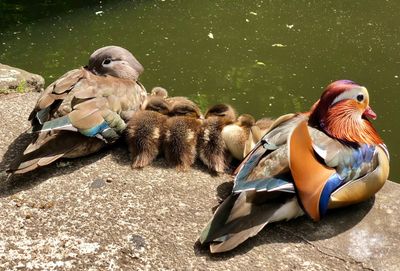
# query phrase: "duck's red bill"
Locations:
[[369, 113]]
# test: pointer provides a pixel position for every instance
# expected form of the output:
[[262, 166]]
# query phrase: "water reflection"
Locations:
[[264, 57]]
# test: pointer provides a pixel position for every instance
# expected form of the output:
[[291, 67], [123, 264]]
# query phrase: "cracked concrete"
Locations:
[[95, 213]]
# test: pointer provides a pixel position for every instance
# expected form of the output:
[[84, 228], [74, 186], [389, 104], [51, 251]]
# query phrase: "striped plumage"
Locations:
[[305, 163]]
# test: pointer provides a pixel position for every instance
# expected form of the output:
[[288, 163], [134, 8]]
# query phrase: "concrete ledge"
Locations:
[[95, 213], [16, 80]]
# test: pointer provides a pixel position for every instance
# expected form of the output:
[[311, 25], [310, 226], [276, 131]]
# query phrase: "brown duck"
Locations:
[[84, 109]]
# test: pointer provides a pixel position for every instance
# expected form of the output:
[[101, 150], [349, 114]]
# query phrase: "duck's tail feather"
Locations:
[[51, 146], [243, 215]]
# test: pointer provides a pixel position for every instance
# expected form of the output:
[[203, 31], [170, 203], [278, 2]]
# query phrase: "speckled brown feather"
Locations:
[[47, 149]]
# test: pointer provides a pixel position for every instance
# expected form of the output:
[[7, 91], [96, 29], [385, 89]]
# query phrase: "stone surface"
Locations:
[[17, 80], [95, 213]]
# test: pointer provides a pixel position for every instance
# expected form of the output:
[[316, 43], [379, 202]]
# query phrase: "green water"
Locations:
[[266, 58]]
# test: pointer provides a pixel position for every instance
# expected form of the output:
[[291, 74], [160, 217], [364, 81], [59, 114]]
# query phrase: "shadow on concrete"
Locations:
[[121, 155], [299, 230], [16, 183], [15, 148], [12, 184]]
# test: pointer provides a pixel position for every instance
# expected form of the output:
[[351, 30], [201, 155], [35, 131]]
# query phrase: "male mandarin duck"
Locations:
[[146, 129], [306, 163], [84, 109], [211, 146], [182, 130]]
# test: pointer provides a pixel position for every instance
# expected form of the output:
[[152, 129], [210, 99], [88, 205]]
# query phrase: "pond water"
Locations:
[[266, 58]]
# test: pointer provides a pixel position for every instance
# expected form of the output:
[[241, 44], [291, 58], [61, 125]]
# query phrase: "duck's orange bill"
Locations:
[[308, 173]]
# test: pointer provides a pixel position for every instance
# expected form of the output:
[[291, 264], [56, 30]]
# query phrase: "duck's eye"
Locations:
[[106, 61], [360, 97]]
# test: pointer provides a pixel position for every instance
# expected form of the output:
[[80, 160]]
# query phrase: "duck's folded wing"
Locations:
[[50, 146], [263, 192], [97, 106], [242, 216], [52, 97], [326, 172], [368, 174], [266, 167]]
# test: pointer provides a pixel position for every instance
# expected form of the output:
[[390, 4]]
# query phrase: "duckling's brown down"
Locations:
[[182, 132], [146, 129], [211, 146]]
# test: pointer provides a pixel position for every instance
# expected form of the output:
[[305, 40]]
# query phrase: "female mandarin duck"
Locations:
[[306, 163], [84, 109]]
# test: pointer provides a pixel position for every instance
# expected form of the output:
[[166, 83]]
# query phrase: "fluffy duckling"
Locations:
[[211, 146], [182, 130], [156, 101], [146, 129], [264, 124], [160, 92], [182, 106], [240, 136]]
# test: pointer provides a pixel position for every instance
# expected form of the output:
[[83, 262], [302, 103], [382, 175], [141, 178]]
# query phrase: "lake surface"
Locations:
[[266, 58]]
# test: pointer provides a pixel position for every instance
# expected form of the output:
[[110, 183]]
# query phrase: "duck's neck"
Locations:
[[345, 124]]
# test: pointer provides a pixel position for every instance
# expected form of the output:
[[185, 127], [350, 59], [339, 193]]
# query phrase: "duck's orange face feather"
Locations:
[[342, 112]]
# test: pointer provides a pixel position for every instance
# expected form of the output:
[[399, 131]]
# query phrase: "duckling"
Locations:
[[182, 106], [257, 131], [160, 92], [240, 136], [156, 101], [264, 124], [146, 129], [211, 146], [182, 130]]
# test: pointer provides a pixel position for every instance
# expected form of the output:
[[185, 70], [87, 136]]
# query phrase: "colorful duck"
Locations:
[[306, 163], [84, 109]]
